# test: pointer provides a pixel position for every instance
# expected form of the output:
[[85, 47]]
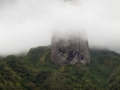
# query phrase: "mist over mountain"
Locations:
[[27, 23], [82, 65]]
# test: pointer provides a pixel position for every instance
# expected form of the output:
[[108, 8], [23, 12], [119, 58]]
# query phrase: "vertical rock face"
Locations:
[[70, 49]]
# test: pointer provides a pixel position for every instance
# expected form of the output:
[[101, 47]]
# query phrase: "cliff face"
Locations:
[[70, 49]]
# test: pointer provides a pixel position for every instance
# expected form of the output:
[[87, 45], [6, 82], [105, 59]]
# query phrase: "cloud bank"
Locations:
[[29, 23]]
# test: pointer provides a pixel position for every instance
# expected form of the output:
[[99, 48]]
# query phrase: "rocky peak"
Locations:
[[70, 48]]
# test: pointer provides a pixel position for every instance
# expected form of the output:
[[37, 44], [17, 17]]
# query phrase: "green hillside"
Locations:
[[36, 71]]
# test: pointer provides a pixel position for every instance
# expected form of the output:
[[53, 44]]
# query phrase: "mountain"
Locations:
[[70, 48], [36, 71]]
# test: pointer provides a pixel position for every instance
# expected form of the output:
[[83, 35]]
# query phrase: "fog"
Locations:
[[29, 23]]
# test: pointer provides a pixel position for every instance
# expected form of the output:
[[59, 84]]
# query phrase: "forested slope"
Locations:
[[35, 71]]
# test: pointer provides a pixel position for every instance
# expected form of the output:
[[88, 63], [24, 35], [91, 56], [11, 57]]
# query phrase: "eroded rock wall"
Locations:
[[70, 49]]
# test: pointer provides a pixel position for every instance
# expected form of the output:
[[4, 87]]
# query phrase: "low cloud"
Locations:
[[29, 23]]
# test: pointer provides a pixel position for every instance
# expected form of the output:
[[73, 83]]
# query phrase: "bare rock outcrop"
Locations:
[[70, 48]]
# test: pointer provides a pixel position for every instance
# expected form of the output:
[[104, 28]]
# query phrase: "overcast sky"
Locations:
[[29, 23]]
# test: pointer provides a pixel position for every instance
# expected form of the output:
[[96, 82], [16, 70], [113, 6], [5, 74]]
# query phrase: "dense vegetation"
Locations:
[[35, 71]]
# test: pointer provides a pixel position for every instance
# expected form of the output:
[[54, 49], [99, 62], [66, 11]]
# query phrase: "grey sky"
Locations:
[[29, 23]]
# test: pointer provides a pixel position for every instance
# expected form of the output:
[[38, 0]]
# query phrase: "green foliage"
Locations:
[[35, 54], [36, 71]]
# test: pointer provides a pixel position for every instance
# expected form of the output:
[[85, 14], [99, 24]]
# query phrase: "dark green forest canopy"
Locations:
[[36, 71]]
